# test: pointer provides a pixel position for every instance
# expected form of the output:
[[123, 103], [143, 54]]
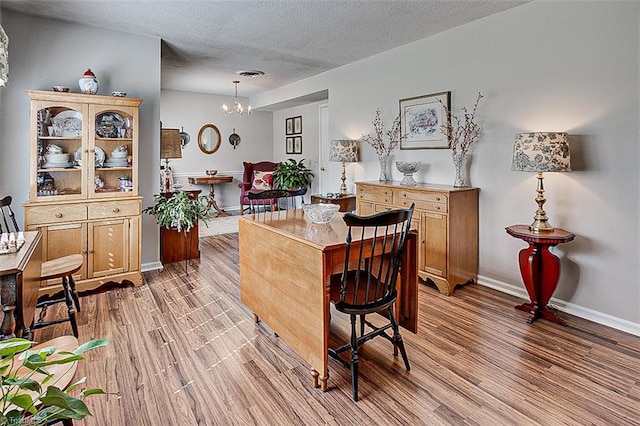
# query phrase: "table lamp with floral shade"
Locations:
[[343, 151], [541, 152]]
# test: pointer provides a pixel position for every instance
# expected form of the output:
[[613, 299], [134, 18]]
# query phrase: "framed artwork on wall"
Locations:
[[297, 125], [288, 126], [290, 145], [297, 145], [421, 121]]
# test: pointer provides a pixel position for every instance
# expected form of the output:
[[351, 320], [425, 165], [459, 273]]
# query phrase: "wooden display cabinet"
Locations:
[[88, 204], [446, 219]]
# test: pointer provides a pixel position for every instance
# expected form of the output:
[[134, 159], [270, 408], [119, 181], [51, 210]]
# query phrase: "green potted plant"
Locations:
[[25, 399], [180, 211], [292, 174]]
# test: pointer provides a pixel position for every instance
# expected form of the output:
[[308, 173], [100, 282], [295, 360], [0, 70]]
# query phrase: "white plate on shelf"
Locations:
[[100, 156], [57, 165], [70, 122]]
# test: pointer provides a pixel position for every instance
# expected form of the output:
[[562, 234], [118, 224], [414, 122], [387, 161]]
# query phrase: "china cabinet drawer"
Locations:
[[114, 209], [55, 213]]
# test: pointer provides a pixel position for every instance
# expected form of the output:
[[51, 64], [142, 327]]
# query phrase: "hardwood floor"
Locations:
[[185, 351]]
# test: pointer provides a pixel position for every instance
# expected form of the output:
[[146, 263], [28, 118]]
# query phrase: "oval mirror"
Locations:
[[209, 139]]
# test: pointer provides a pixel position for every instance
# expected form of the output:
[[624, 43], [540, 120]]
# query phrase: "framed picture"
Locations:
[[421, 121], [290, 145], [297, 125], [297, 145], [288, 126]]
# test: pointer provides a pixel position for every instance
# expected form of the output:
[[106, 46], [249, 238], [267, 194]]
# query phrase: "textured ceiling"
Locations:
[[206, 42]]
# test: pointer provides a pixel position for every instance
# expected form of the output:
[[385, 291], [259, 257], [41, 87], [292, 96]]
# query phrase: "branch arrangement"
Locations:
[[377, 141], [461, 132]]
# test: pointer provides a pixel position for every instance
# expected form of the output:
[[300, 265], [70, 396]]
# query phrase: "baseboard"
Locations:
[[564, 306], [152, 266]]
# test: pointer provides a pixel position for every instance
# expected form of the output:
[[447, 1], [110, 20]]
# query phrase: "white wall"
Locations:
[[46, 52], [310, 138], [191, 111], [543, 66]]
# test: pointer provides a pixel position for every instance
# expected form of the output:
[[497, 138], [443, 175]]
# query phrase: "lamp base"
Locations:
[[541, 225], [540, 221], [343, 187]]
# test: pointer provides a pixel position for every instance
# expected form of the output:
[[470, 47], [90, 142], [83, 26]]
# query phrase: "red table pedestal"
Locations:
[[540, 269]]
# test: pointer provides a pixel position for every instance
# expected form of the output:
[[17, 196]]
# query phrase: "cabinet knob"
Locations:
[[90, 251], [58, 215], [116, 210], [84, 252]]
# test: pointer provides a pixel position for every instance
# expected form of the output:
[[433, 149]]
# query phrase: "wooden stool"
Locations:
[[63, 268]]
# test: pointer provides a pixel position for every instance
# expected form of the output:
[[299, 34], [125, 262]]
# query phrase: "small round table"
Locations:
[[211, 181], [540, 269]]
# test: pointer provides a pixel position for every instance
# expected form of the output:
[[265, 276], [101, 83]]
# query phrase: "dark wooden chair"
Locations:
[[375, 245], [61, 268], [275, 199]]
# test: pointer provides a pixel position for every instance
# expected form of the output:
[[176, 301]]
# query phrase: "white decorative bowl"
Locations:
[[408, 168], [320, 213], [211, 172], [119, 94]]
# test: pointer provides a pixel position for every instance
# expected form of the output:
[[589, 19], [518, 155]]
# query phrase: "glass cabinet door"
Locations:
[[112, 164], [58, 131]]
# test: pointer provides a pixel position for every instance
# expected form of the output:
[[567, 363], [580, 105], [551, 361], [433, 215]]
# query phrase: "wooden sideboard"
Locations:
[[446, 219]]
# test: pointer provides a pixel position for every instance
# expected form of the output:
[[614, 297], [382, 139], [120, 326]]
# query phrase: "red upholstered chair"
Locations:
[[248, 176]]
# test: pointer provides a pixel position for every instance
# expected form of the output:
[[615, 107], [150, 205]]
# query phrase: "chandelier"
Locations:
[[237, 106]]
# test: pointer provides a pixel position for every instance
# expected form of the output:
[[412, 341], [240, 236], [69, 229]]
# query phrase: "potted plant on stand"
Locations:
[[181, 212]]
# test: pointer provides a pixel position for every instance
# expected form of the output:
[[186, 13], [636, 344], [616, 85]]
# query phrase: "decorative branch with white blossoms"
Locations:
[[461, 132], [377, 141]]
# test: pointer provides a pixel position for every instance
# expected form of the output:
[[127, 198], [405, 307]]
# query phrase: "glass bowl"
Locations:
[[408, 168], [211, 172], [320, 213]]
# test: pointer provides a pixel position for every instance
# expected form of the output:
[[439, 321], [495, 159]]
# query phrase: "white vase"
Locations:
[[383, 159], [88, 83], [461, 164]]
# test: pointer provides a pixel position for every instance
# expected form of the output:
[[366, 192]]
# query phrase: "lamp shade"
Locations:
[[4, 58], [541, 152], [343, 150], [170, 144]]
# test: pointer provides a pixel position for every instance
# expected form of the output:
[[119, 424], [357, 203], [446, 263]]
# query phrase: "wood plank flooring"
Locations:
[[185, 351]]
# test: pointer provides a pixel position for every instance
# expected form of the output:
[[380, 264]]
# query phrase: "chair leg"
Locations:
[[69, 302], [74, 294], [362, 325], [397, 339], [354, 359]]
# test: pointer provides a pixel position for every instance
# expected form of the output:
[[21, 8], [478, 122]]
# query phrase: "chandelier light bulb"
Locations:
[[237, 106]]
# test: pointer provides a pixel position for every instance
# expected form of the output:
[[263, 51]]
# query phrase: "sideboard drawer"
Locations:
[[55, 213], [431, 201], [375, 194], [114, 209]]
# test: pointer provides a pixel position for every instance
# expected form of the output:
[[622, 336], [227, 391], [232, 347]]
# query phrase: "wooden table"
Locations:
[[540, 269], [285, 266], [19, 284], [212, 181], [347, 202], [176, 246]]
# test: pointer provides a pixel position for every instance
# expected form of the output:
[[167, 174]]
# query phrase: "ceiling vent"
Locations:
[[250, 73]]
